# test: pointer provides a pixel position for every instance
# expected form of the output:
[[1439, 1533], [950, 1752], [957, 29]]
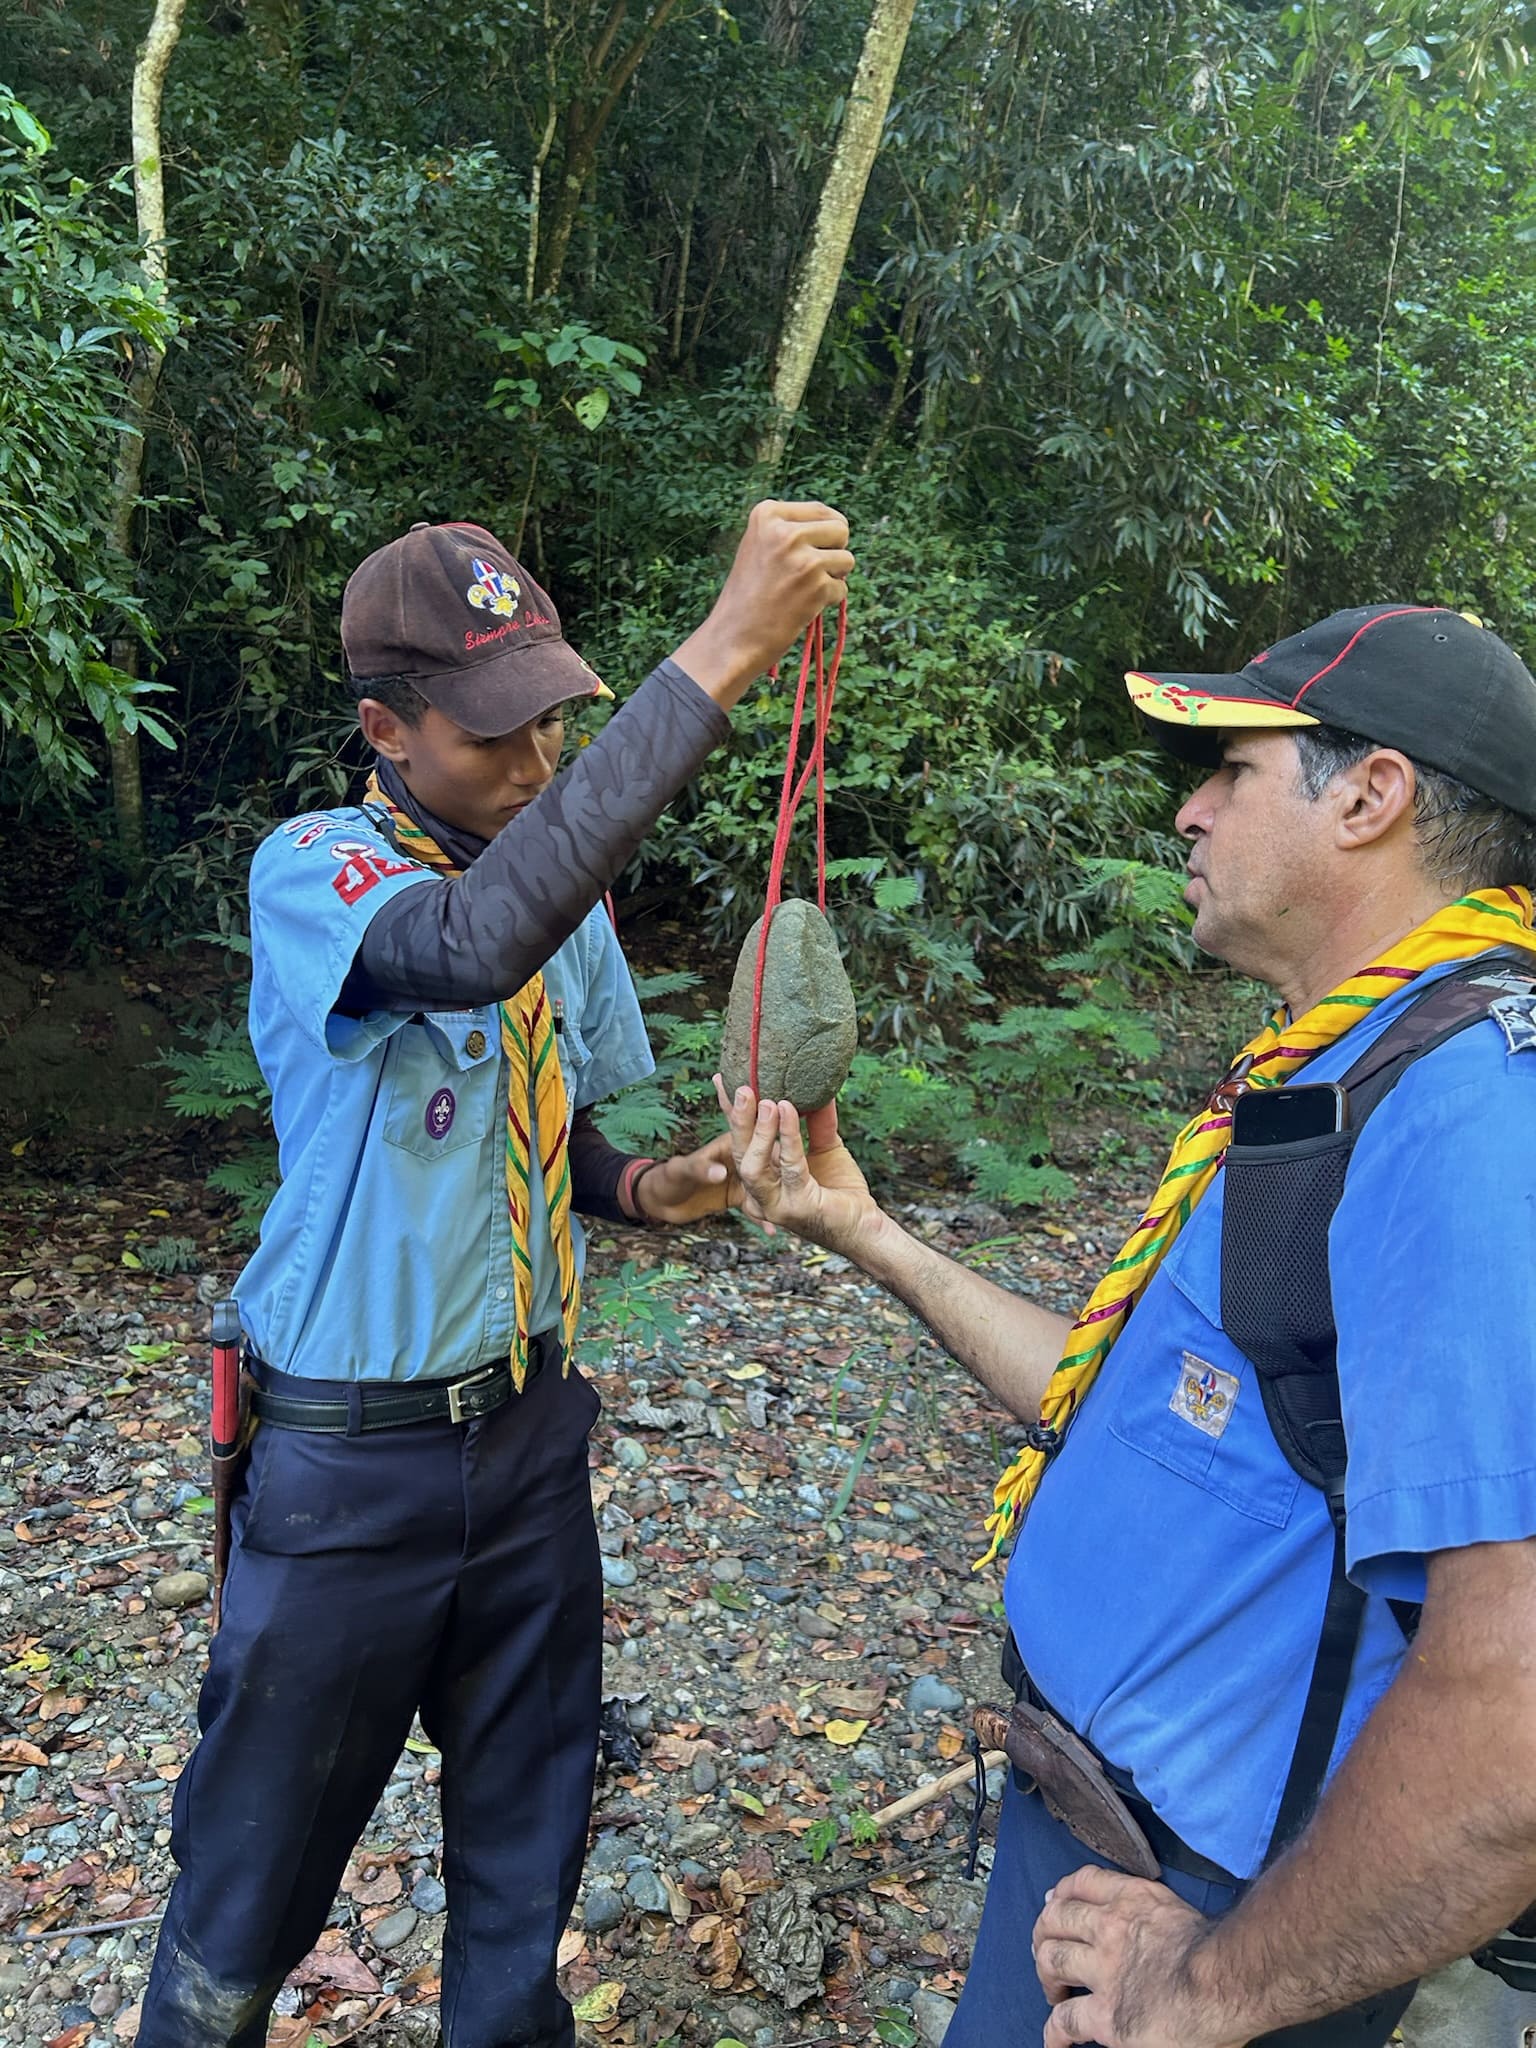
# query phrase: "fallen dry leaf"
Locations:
[[853, 1700], [599, 2004], [844, 1733], [338, 1966], [722, 1958], [16, 1755], [372, 1884]]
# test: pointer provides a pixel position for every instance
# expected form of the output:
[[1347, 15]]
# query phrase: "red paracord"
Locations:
[[793, 791]]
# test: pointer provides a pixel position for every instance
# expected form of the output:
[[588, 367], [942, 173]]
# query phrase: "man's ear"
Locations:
[[1378, 795], [384, 730]]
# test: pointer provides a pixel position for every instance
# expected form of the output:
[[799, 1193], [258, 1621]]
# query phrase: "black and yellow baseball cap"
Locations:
[[1433, 682]]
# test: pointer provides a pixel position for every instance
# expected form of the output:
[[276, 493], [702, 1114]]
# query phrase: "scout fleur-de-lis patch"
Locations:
[[1204, 1394], [492, 591]]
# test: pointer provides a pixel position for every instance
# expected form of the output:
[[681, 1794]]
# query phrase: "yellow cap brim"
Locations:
[[1181, 700]]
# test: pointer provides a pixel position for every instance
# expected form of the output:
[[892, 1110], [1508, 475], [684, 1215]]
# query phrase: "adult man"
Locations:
[[435, 989], [1372, 803]]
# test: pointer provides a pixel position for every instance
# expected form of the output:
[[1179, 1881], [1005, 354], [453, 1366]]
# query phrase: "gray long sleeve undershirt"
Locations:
[[457, 942]]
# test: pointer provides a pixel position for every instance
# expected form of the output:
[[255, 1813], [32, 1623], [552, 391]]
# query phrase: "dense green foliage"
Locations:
[[1166, 327]]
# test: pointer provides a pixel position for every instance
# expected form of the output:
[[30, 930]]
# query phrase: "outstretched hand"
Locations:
[[690, 1185], [820, 1193]]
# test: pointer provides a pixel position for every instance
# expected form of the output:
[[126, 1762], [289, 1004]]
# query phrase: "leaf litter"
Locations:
[[760, 1649]]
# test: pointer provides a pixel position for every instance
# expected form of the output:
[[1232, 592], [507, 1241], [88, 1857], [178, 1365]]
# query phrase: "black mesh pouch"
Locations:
[[1276, 1301]]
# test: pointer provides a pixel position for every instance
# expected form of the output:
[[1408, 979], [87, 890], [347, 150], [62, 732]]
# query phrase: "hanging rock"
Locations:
[[810, 1026]]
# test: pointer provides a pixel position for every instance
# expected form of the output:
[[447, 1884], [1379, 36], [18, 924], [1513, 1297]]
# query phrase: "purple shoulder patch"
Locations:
[[440, 1113]]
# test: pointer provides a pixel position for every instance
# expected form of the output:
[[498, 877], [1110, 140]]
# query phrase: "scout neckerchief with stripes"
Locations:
[[1474, 924], [534, 1083]]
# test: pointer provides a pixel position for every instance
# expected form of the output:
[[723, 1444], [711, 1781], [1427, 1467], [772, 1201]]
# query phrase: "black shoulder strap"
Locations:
[[1277, 1307]]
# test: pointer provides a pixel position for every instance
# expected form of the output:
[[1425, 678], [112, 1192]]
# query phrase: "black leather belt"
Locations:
[[1170, 1849], [355, 1407]]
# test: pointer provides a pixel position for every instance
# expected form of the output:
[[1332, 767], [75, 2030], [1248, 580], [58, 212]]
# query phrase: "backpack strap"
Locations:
[[1277, 1307]]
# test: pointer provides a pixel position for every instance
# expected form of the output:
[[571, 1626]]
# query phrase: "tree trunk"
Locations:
[[144, 378], [584, 121], [821, 269]]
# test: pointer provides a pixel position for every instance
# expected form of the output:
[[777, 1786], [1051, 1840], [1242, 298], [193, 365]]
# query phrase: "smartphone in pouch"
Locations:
[[1284, 1116]]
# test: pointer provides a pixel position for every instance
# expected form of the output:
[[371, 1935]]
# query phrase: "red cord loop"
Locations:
[[793, 791]]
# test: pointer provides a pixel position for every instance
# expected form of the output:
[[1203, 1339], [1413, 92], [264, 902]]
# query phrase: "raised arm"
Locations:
[[465, 941], [1009, 1344]]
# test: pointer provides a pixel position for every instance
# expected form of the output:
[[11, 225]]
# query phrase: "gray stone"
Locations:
[[179, 1589], [603, 1910], [631, 1453], [389, 1934], [105, 2000], [607, 1853], [901, 1990], [647, 1894], [618, 1571], [810, 1028], [930, 1693], [932, 2013], [25, 1785], [705, 1776], [428, 1896], [725, 1571], [697, 1834], [964, 1913]]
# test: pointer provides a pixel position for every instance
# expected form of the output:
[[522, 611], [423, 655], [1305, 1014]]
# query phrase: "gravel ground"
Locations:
[[784, 1655]]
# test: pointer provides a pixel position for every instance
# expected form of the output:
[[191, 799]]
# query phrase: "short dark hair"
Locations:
[[393, 692], [1466, 840]]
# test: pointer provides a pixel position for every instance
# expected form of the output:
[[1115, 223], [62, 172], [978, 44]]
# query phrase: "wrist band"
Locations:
[[629, 1180]]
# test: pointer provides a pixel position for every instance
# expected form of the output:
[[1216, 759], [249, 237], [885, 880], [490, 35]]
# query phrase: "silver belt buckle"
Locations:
[[460, 1387]]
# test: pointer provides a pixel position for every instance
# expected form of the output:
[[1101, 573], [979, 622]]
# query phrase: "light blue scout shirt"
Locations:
[[1168, 1585], [386, 1252]]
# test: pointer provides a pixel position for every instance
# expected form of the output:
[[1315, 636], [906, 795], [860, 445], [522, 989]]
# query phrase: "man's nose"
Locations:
[[1194, 815]]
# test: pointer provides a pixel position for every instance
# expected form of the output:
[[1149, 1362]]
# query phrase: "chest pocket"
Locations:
[[1186, 1396], [442, 1083]]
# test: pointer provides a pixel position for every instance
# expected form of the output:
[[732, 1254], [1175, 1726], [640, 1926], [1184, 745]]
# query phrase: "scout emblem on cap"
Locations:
[[492, 590], [1204, 1394]]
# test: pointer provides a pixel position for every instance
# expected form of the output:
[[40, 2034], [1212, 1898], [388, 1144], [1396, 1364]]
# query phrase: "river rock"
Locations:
[[603, 1910], [932, 2013], [179, 1589], [810, 1024]]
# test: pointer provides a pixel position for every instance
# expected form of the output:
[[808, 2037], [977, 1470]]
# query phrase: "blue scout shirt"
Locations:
[[386, 1252], [1168, 1585]]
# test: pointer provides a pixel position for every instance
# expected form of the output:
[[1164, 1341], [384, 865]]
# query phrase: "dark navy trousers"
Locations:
[[1002, 2000], [450, 1569]]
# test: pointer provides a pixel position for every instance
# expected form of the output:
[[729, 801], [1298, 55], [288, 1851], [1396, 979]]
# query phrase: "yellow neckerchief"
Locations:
[[1472, 925], [534, 1080]]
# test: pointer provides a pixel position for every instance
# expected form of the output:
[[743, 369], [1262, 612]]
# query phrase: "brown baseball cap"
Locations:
[[447, 609]]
